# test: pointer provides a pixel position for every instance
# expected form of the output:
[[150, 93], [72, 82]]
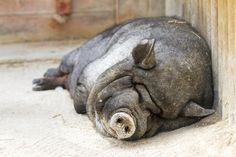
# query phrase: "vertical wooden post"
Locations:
[[227, 58]]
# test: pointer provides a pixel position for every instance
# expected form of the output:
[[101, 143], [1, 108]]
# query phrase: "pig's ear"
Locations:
[[194, 110], [144, 55]]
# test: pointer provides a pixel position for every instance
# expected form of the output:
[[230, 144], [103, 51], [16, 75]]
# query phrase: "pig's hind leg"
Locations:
[[54, 77], [74, 62], [47, 83]]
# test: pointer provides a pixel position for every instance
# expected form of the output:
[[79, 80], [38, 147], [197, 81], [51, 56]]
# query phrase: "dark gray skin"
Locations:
[[163, 83]]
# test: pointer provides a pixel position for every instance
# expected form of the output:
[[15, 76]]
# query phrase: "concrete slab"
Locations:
[[36, 124]]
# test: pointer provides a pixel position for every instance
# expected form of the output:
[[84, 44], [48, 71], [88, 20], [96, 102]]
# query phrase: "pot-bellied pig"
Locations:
[[138, 78]]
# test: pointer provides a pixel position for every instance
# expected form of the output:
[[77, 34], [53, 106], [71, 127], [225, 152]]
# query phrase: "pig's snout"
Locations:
[[123, 124]]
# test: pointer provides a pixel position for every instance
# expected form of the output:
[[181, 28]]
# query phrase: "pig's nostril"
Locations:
[[119, 120], [123, 125], [127, 129]]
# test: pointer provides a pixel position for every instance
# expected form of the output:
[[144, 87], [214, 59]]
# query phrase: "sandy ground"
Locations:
[[44, 124]]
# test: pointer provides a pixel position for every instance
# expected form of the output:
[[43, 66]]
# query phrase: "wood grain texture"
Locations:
[[33, 19]]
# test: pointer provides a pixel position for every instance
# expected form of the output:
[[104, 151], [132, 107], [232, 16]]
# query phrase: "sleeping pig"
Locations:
[[138, 78]]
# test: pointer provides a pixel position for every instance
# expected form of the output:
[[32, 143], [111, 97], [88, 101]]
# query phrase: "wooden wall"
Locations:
[[216, 21], [33, 20]]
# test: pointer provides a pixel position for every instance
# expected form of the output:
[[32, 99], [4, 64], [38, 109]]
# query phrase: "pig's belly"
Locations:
[[118, 51]]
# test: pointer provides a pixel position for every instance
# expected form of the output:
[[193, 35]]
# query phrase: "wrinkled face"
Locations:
[[114, 104], [122, 116]]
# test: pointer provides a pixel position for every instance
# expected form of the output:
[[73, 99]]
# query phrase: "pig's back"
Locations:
[[169, 33]]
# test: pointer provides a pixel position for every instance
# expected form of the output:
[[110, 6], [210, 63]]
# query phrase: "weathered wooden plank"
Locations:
[[36, 28], [156, 8], [92, 5], [129, 9], [222, 50], [229, 64], [21, 7], [214, 49]]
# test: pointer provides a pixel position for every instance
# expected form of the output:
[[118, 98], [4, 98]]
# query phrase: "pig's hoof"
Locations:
[[39, 85], [38, 81], [48, 83], [42, 84], [123, 124]]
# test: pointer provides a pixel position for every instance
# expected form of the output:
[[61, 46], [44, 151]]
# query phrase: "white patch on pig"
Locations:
[[121, 46], [119, 51]]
